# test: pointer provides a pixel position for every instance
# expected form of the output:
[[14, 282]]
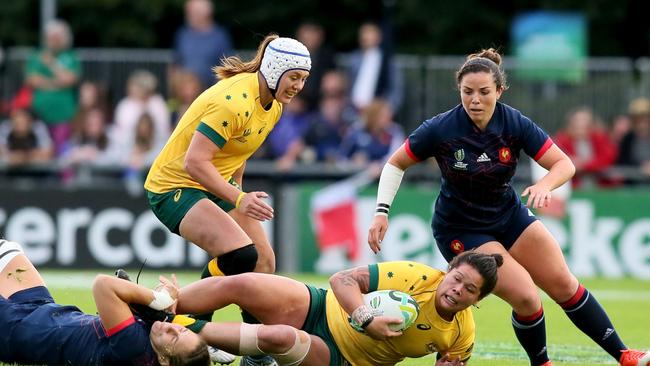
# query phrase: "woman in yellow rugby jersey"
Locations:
[[309, 326], [194, 185]]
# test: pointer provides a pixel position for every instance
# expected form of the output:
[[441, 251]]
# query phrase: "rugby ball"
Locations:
[[393, 303]]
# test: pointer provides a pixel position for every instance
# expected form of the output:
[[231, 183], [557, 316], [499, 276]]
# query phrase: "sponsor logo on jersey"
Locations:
[[243, 138], [423, 326], [504, 154], [457, 246], [460, 155], [177, 195], [483, 158]]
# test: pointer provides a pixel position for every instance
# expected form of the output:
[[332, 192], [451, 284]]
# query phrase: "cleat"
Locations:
[[632, 357], [220, 357], [120, 273], [257, 361], [547, 363]]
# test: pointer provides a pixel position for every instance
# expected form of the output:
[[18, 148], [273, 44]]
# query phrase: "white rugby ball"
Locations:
[[395, 304]]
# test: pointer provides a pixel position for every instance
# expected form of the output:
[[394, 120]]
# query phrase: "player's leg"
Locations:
[[16, 271], [269, 298], [517, 288], [554, 277], [253, 228], [212, 229], [288, 345]]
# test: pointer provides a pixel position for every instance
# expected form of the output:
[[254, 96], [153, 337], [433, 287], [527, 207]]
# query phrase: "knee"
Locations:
[[238, 261], [526, 303], [236, 286], [562, 289], [276, 338], [265, 263]]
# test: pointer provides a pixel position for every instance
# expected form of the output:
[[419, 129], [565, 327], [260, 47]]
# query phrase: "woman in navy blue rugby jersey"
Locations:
[[477, 146], [36, 330]]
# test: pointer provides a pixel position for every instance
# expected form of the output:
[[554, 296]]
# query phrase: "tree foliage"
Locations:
[[419, 26]]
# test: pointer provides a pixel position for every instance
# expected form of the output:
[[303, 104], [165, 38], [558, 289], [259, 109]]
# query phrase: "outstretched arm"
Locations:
[[389, 182], [113, 295]]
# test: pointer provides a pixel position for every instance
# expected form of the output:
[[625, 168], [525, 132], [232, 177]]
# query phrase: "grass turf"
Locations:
[[625, 300]]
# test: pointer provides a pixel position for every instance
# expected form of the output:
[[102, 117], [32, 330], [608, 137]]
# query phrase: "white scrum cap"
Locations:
[[282, 55]]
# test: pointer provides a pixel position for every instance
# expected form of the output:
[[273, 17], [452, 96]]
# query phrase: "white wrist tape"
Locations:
[[389, 182], [161, 300]]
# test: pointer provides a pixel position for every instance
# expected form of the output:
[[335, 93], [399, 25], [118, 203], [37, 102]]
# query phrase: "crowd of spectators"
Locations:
[[343, 117]]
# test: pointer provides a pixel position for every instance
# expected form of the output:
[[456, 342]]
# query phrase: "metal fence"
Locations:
[[606, 84]]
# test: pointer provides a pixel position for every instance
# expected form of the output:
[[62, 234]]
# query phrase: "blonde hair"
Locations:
[[233, 65]]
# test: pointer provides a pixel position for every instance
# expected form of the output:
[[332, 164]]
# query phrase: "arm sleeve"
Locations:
[[218, 124], [421, 144], [535, 141]]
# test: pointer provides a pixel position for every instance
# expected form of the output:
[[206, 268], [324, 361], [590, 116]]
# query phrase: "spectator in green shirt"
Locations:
[[53, 72]]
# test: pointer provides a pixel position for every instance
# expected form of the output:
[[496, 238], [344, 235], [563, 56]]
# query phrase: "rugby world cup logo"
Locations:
[[408, 306]]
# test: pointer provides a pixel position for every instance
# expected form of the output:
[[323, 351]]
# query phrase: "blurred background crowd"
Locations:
[[66, 120]]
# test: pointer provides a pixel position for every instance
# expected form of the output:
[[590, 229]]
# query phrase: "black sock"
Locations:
[[531, 333], [586, 313]]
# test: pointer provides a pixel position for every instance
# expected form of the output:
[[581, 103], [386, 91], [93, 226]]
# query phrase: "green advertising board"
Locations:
[[605, 233]]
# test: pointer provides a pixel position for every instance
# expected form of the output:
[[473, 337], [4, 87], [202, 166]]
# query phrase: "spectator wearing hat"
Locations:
[[634, 149]]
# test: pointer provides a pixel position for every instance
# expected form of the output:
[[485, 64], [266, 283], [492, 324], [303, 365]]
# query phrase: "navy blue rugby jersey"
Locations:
[[477, 166], [63, 335]]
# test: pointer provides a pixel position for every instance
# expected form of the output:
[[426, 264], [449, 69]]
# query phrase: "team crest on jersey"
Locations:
[[457, 246], [460, 155], [504, 154]]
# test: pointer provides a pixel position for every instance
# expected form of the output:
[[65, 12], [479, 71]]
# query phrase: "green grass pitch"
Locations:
[[626, 300]]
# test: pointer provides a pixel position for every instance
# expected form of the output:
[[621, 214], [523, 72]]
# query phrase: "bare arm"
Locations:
[[349, 285], [198, 164], [401, 158], [560, 170], [389, 181], [113, 295], [238, 175]]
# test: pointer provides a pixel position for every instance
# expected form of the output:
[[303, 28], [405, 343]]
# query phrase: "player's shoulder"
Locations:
[[233, 92], [510, 113], [408, 266]]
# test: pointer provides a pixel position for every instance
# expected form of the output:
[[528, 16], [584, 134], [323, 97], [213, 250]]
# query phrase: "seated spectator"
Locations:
[[328, 126], [374, 138], [53, 72], [144, 150], [92, 146], [588, 146], [140, 155], [620, 127], [142, 97], [634, 150], [185, 87], [24, 140], [286, 142]]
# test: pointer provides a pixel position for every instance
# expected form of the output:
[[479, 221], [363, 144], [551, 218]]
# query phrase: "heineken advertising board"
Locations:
[[605, 233]]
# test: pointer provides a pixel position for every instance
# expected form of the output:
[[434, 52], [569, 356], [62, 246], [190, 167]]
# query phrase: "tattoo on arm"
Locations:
[[356, 276]]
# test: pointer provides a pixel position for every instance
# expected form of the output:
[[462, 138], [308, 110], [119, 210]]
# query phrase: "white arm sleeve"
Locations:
[[389, 181]]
